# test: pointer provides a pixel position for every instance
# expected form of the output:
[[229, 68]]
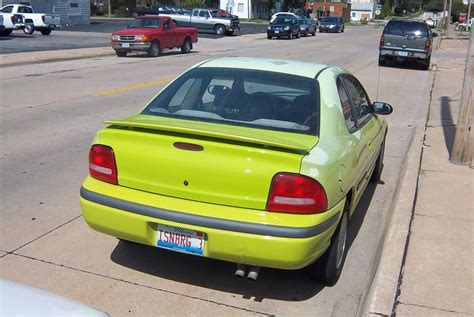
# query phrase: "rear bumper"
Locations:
[[281, 33], [131, 46], [403, 54], [258, 244]]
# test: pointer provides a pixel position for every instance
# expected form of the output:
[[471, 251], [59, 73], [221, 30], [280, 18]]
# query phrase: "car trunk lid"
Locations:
[[202, 161]]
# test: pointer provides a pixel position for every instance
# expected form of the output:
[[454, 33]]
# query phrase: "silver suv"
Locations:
[[403, 40]]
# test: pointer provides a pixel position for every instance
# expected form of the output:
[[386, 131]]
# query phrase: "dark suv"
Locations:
[[406, 40], [331, 24]]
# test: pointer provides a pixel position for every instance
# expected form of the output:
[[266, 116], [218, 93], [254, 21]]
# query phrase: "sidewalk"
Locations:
[[437, 276], [426, 266], [15, 59]]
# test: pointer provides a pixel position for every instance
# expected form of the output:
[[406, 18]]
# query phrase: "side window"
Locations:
[[203, 14], [346, 106], [7, 9], [195, 13], [360, 101], [166, 25]]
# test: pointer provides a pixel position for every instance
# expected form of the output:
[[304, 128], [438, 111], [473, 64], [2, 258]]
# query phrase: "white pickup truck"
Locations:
[[10, 22], [33, 21]]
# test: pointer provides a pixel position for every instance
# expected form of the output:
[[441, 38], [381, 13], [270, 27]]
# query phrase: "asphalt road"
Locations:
[[96, 34], [49, 114]]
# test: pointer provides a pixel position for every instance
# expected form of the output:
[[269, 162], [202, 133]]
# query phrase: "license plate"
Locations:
[[125, 44], [276, 32], [403, 53], [180, 239]]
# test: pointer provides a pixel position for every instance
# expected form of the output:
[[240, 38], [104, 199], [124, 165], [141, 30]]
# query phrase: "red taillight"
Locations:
[[102, 163], [428, 45], [382, 41], [294, 193]]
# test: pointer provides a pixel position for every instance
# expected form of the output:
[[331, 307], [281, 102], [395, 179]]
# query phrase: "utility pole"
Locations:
[[110, 8], [449, 17], [469, 3], [445, 21], [463, 147]]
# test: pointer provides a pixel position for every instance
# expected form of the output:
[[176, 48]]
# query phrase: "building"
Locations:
[[362, 11], [247, 9], [70, 11], [332, 8]]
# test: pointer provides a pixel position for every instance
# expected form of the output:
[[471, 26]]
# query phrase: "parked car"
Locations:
[[159, 9], [10, 21], [406, 40], [259, 162], [152, 34], [307, 26], [207, 19], [331, 24], [284, 26], [34, 21], [296, 15]]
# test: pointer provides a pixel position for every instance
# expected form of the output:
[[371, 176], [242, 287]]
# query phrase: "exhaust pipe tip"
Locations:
[[240, 271], [253, 273]]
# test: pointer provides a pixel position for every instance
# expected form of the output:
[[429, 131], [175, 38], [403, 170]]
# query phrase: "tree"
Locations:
[[386, 10]]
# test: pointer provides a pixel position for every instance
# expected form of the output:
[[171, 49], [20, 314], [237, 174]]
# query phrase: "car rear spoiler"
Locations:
[[233, 135]]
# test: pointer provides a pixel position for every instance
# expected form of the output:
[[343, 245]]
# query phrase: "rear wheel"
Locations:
[[329, 267], [290, 35], [154, 50], [121, 53], [46, 31], [219, 29], [269, 37], [381, 60], [186, 48], [342, 31], [313, 33], [28, 29], [378, 165], [426, 64]]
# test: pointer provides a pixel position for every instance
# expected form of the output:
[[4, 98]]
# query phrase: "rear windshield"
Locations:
[[146, 23], [404, 28], [286, 19], [251, 98], [331, 19]]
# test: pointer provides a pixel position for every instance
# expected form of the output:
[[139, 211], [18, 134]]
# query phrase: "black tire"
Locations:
[[154, 50], [121, 53], [269, 37], [426, 64], [290, 35], [187, 46], [28, 28], [5, 32], [328, 268], [377, 173], [298, 34], [229, 33], [314, 33], [342, 31], [46, 31], [219, 29], [382, 61]]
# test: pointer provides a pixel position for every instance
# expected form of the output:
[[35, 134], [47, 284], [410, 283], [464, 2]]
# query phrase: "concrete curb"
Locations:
[[52, 56], [381, 296]]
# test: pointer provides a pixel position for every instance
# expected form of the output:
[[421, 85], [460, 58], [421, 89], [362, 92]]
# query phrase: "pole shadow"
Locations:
[[447, 123]]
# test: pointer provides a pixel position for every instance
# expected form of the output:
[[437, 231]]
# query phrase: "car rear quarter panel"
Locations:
[[333, 157]]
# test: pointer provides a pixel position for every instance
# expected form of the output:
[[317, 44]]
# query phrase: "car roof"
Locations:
[[304, 69]]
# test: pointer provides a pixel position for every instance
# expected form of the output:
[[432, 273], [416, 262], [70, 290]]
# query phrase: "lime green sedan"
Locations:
[[259, 162]]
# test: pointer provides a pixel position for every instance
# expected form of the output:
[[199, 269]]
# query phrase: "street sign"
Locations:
[[377, 12]]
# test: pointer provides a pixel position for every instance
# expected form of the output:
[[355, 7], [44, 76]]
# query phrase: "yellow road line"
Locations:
[[125, 88]]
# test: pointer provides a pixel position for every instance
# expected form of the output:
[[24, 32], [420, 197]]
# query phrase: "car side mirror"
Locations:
[[382, 108], [434, 34]]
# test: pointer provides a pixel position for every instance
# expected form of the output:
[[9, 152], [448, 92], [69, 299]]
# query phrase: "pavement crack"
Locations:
[[434, 308], [44, 234], [142, 285]]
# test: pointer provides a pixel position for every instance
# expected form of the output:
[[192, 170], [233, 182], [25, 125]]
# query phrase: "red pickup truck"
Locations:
[[152, 34]]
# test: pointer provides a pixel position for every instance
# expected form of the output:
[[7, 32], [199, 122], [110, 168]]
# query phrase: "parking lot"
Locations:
[[49, 115]]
